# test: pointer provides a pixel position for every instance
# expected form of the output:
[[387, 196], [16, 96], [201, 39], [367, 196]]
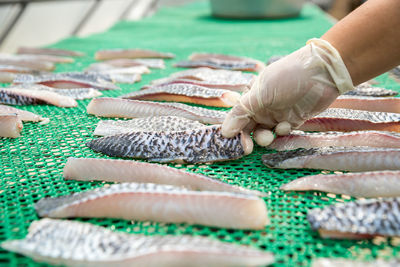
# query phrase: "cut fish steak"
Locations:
[[72, 243], [378, 104], [130, 53], [10, 125], [128, 171], [49, 51], [124, 108], [22, 114], [188, 93], [357, 220], [153, 63]]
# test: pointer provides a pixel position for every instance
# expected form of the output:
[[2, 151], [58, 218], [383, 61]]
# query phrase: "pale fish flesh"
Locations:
[[46, 58], [150, 124], [72, 243], [7, 77], [346, 120], [16, 69], [228, 58], [219, 64], [218, 85], [34, 64], [22, 114], [187, 93], [299, 139], [191, 146], [124, 108], [10, 125], [153, 63], [357, 220], [160, 203], [109, 69], [361, 184], [69, 80], [130, 53], [366, 90], [356, 159], [378, 104], [34, 97], [75, 93], [337, 262], [49, 51], [128, 171]]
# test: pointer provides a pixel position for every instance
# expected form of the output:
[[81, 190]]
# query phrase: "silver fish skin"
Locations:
[[367, 90], [160, 203], [75, 93], [191, 146], [188, 93], [225, 58], [130, 53], [362, 184], [355, 159], [6, 59], [395, 73], [13, 96], [367, 103], [22, 114], [10, 125], [125, 108], [357, 220], [150, 124], [72, 243], [218, 85], [128, 171], [219, 64], [126, 62], [109, 69], [49, 51], [337, 262], [299, 139]]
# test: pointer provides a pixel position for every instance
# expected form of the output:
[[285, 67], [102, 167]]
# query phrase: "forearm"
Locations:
[[368, 39]]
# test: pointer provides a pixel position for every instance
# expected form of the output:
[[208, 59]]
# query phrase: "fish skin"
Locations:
[[22, 114], [16, 69], [128, 171], [338, 262], [223, 57], [346, 120], [14, 96], [231, 87], [125, 108], [160, 203], [367, 90], [74, 93], [187, 93], [48, 58], [109, 69], [126, 62], [49, 51], [7, 77], [377, 104], [355, 159], [191, 146], [363, 184], [357, 220], [219, 64], [395, 73], [73, 243], [149, 124], [299, 139], [7, 59], [130, 53], [10, 125]]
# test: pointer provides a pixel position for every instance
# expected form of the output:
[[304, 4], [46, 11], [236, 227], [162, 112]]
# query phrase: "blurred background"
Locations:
[[42, 22]]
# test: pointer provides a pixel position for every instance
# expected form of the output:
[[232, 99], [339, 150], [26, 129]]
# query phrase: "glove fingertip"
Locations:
[[263, 137], [283, 128]]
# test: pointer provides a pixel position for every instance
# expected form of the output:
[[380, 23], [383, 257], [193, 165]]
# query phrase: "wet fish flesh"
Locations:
[[378, 104], [362, 184], [356, 159], [130, 53], [128, 171], [191, 146], [231, 87], [124, 108], [160, 203], [10, 125], [187, 93], [153, 63], [226, 58], [299, 139], [13, 96], [75, 93], [108, 69], [219, 64], [345, 120], [49, 51], [329, 262], [72, 243], [149, 124], [22, 114], [69, 80], [14, 60], [357, 220], [365, 90]]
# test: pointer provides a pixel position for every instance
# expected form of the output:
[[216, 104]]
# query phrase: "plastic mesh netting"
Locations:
[[31, 166]]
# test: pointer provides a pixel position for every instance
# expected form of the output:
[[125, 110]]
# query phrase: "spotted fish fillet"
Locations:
[[329, 262], [69, 80], [34, 64], [10, 125], [126, 62], [187, 93], [336, 159], [75, 93], [363, 184], [130, 53], [226, 86], [220, 64], [227, 58], [379, 104], [72, 243], [49, 51], [345, 120], [124, 108], [22, 114], [160, 203], [150, 124], [128, 171], [367, 90], [299, 139], [34, 97], [357, 220]]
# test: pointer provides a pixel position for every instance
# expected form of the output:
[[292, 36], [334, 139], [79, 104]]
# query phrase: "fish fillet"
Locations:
[[191, 146], [187, 93], [345, 120], [356, 159], [128, 171], [46, 58], [358, 219], [150, 124], [124, 108], [49, 51], [72, 243], [130, 53], [75, 93], [6, 59], [219, 64], [299, 139], [34, 97], [228, 58], [378, 104], [337, 262], [22, 114], [109, 69], [226, 86], [160, 203], [7, 77], [10, 125], [395, 73], [367, 90], [126, 62], [362, 184], [16, 69]]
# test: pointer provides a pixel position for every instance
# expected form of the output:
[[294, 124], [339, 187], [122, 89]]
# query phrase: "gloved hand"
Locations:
[[290, 91]]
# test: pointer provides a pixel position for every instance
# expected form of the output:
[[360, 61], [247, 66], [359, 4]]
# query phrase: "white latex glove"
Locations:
[[290, 91]]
